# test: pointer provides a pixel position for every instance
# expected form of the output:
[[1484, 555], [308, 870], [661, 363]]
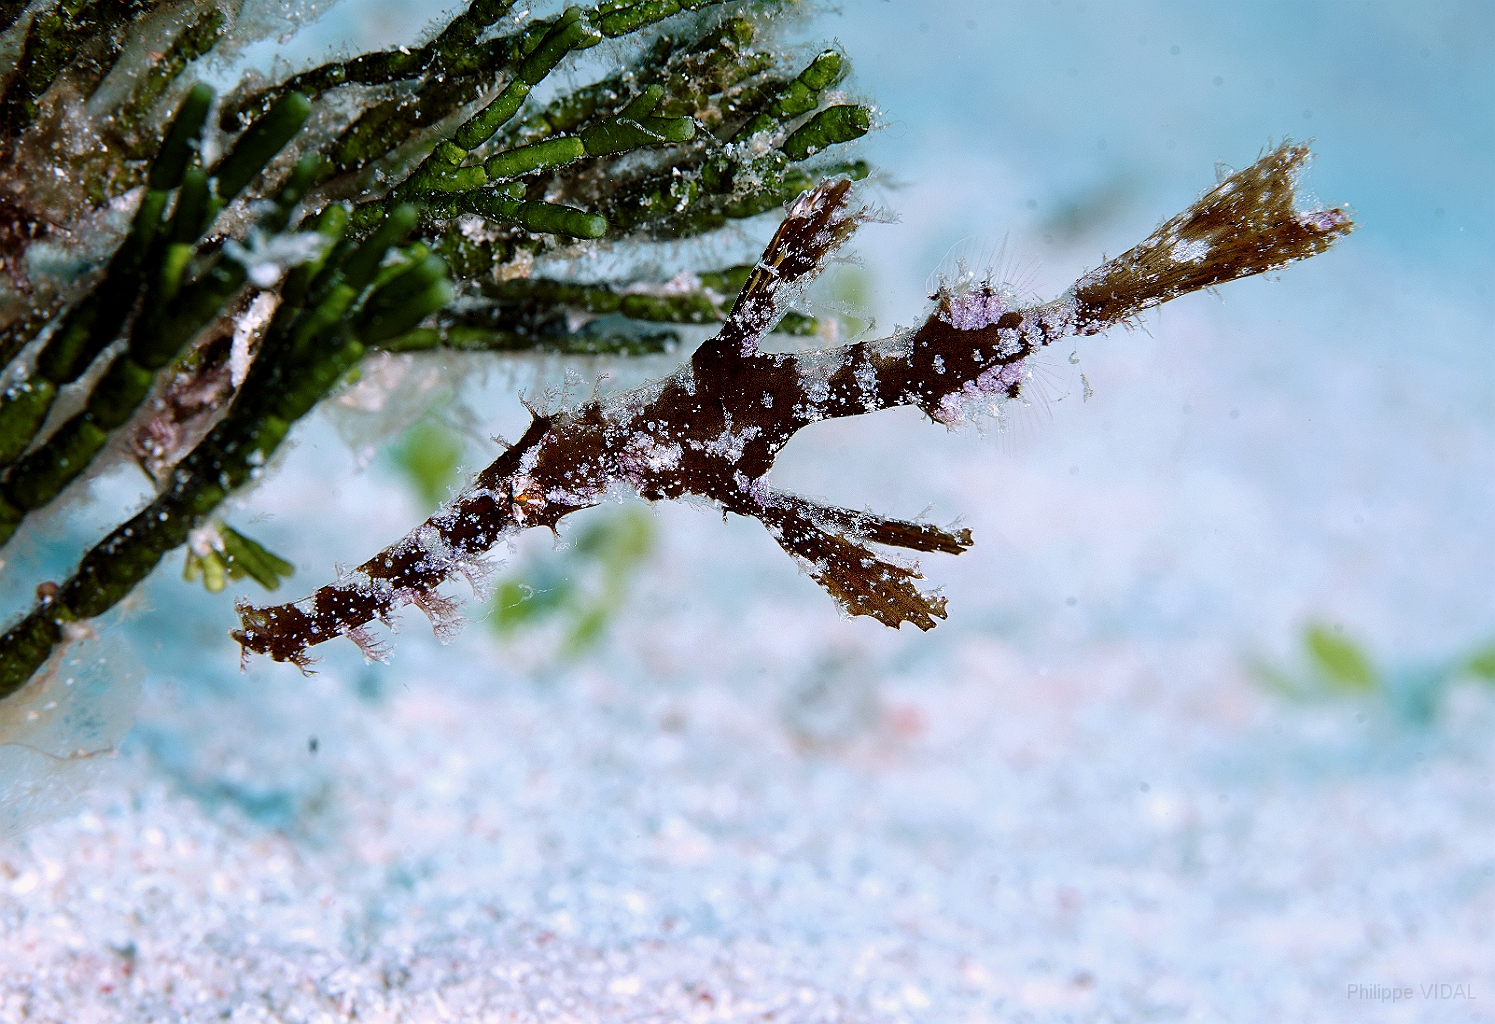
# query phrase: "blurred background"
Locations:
[[1207, 735]]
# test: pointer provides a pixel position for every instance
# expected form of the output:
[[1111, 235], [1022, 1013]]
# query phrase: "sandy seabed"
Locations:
[[746, 807]]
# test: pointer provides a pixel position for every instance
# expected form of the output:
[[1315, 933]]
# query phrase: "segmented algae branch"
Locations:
[[189, 274]]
